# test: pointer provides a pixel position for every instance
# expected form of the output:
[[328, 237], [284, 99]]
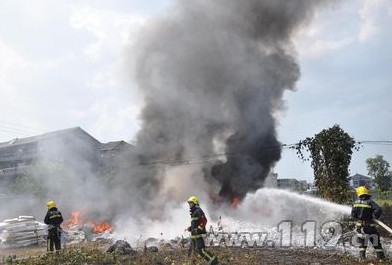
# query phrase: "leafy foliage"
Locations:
[[330, 154], [378, 168]]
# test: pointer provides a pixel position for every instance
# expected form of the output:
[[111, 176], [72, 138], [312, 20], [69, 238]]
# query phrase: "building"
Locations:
[[271, 181], [115, 156], [292, 184], [115, 149], [311, 190], [72, 147], [361, 180]]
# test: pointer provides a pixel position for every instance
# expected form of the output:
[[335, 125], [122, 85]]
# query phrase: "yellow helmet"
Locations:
[[51, 204], [194, 200], [362, 190]]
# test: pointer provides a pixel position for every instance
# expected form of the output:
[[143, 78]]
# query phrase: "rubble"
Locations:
[[121, 247], [22, 231], [73, 235], [152, 249], [106, 236]]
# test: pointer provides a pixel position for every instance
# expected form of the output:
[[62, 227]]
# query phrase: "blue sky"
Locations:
[[62, 64]]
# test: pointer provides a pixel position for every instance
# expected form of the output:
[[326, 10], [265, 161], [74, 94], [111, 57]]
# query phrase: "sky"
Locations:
[[64, 64]]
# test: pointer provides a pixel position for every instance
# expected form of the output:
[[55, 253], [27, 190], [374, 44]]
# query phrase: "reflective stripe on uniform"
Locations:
[[195, 218], [360, 205], [196, 236], [360, 223], [206, 254], [55, 216]]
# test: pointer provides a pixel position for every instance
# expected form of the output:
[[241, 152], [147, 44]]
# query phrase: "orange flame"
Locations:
[[235, 202], [97, 227], [101, 227], [75, 220]]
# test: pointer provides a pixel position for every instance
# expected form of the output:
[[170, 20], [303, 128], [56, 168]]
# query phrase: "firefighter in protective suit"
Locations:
[[363, 211], [53, 219], [197, 229]]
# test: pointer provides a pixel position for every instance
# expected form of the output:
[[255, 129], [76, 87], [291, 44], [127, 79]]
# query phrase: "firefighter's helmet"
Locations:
[[51, 204], [362, 190], [194, 200]]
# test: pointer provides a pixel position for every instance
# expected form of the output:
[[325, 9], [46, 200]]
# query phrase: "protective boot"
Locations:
[[213, 261], [209, 257], [362, 255], [380, 255]]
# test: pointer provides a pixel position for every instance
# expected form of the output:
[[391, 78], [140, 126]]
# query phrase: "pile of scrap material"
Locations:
[[80, 233], [74, 234], [21, 232]]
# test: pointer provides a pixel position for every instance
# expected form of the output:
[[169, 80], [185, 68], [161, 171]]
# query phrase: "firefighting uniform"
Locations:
[[197, 229], [53, 219], [363, 211]]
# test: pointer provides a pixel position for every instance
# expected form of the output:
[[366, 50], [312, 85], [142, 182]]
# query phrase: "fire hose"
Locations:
[[351, 233], [383, 225]]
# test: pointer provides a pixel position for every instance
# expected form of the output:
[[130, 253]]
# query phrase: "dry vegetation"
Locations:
[[95, 254]]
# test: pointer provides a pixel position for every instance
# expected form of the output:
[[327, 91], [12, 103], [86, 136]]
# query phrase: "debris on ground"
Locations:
[[93, 253]]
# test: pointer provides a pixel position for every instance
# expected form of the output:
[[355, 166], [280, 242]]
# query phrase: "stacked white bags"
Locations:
[[21, 232]]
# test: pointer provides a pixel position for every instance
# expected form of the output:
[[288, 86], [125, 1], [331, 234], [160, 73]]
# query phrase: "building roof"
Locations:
[[287, 179], [116, 145], [33, 139], [359, 176]]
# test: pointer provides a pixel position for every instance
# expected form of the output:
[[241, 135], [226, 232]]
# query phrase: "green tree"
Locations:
[[378, 168], [330, 154]]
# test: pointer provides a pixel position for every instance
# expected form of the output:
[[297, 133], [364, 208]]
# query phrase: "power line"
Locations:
[[20, 127], [16, 130], [11, 127], [376, 142], [10, 131], [212, 157]]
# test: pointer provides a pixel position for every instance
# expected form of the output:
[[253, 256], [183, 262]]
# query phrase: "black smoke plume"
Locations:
[[213, 74]]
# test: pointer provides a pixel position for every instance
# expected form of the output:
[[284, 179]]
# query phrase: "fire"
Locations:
[[101, 227], [75, 220], [79, 220], [235, 202]]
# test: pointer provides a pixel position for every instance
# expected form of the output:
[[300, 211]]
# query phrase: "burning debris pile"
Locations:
[[25, 231], [78, 229], [21, 232]]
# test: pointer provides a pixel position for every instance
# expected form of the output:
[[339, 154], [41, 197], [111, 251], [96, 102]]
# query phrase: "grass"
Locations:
[[95, 255], [382, 202]]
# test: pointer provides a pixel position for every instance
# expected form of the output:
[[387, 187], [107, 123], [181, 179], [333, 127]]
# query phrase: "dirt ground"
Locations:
[[95, 254]]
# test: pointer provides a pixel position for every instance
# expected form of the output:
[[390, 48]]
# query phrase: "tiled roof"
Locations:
[[33, 139]]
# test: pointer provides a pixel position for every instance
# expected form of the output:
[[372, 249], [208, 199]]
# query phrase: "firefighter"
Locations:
[[53, 219], [197, 229], [363, 211]]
